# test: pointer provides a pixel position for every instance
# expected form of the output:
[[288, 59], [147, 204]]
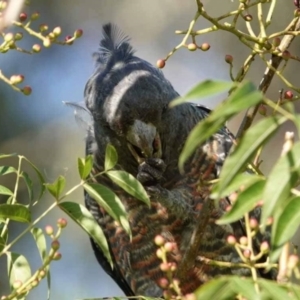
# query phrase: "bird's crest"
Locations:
[[114, 46]]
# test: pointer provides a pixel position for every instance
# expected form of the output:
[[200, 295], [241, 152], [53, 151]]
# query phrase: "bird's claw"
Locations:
[[151, 171]]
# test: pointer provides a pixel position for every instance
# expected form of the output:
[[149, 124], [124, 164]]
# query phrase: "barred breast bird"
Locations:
[[129, 99]]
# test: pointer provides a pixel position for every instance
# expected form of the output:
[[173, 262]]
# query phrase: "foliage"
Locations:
[[276, 193]]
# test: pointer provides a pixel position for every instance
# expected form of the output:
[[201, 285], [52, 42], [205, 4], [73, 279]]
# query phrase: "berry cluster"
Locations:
[[46, 36], [21, 289]]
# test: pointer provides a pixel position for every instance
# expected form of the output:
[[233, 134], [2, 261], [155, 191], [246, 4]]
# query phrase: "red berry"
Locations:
[[22, 17], [286, 55], [247, 253], [205, 46], [169, 246], [253, 223], [228, 58], [26, 90], [262, 110], [55, 245], [62, 222], [288, 95], [68, 40], [248, 18], [264, 247], [163, 282], [161, 63], [164, 267], [78, 33]]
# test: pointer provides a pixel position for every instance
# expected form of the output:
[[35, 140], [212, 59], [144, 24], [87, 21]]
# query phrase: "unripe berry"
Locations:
[[248, 18], [159, 240], [161, 63], [243, 240], [35, 16], [43, 27], [22, 17], [8, 37], [17, 284], [228, 58], [36, 48], [231, 240], [164, 267], [190, 297], [247, 253], [26, 90], [62, 222], [169, 246], [163, 282], [57, 256], [173, 266], [276, 41], [42, 274], [46, 42], [297, 12], [18, 36], [286, 55], [192, 46], [262, 110], [264, 247], [15, 79], [205, 47], [159, 253], [78, 33], [288, 95], [34, 283], [57, 31], [55, 245], [253, 223]]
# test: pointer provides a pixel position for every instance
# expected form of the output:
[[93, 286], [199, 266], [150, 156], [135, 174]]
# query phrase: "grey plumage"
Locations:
[[129, 102]]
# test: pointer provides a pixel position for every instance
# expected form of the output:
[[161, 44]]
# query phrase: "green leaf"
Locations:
[[129, 184], [272, 290], [281, 179], [5, 191], [245, 96], [86, 221], [40, 177], [204, 89], [287, 224], [4, 170], [247, 147], [227, 287], [246, 201], [18, 268], [111, 157], [40, 241], [110, 202], [85, 166], [29, 185], [15, 212], [241, 180], [56, 188]]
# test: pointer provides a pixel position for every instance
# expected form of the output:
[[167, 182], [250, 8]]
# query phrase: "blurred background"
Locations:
[[41, 128]]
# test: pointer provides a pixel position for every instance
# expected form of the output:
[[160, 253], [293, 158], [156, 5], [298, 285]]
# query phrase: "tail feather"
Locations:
[[113, 46]]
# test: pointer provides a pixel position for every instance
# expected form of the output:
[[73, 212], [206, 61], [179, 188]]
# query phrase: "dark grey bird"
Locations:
[[129, 99]]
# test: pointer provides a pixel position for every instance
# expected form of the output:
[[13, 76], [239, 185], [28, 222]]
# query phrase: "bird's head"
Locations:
[[129, 99]]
